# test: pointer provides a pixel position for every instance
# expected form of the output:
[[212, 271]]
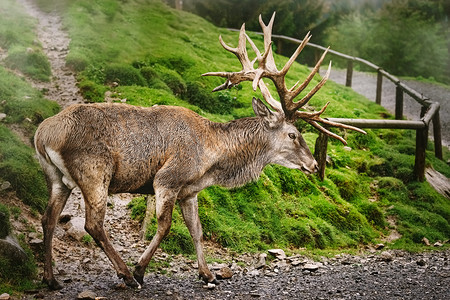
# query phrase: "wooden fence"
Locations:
[[429, 112]]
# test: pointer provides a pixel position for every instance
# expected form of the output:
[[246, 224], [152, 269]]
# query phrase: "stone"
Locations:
[[426, 241], [5, 296], [421, 262], [310, 267], [5, 184], [347, 148], [12, 251], [224, 273], [379, 246], [438, 244], [87, 294], [253, 273], [262, 261], [75, 228], [2, 116], [209, 286], [296, 262], [278, 253], [386, 256]]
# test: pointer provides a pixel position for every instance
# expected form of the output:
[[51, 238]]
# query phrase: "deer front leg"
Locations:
[[165, 201], [189, 208], [95, 199]]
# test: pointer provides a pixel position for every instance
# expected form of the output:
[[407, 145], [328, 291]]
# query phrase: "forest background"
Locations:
[[405, 37]]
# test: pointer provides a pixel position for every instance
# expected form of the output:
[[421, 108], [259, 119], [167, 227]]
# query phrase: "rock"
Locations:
[[421, 262], [296, 262], [5, 184], [75, 228], [438, 244], [386, 256], [262, 261], [12, 251], [347, 148], [253, 273], [87, 294], [379, 246], [224, 273], [278, 253], [209, 286], [310, 267], [426, 241], [5, 296]]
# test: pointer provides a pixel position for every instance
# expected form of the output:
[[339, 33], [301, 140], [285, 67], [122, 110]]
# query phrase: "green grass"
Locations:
[[18, 38], [157, 55]]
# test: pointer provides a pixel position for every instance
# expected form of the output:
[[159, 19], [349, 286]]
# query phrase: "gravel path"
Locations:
[[85, 269]]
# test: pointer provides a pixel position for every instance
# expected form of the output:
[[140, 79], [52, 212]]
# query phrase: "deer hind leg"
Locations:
[[189, 208], [95, 198], [165, 201], [59, 193]]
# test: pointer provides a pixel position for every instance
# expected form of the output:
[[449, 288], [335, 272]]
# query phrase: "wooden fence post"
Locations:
[[348, 80], [437, 136], [279, 46], [379, 87], [398, 103], [421, 147], [320, 153]]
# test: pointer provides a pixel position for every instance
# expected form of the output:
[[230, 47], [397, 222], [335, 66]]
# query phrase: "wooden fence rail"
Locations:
[[429, 112]]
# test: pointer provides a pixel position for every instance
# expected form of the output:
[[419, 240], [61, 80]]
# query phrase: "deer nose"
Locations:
[[316, 167]]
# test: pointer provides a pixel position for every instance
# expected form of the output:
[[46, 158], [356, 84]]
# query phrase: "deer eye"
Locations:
[[292, 136]]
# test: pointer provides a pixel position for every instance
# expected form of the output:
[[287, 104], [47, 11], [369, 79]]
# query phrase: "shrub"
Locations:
[[124, 75], [91, 91], [197, 94], [31, 62], [76, 62], [173, 80]]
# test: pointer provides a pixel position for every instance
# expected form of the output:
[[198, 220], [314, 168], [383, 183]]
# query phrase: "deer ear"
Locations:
[[262, 111]]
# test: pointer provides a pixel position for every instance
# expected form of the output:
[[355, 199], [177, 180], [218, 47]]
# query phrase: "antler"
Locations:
[[267, 68]]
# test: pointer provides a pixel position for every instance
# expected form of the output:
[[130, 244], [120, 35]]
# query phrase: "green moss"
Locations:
[[32, 62], [21, 169]]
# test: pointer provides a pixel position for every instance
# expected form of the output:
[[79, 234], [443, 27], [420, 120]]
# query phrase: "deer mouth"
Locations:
[[309, 171]]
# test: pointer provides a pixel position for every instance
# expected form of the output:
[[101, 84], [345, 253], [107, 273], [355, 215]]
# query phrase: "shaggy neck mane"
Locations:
[[246, 152]]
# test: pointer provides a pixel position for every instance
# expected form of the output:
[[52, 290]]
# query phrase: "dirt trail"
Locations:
[[55, 42]]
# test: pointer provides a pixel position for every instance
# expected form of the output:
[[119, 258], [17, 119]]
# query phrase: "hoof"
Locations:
[[129, 281], [53, 284], [137, 274], [139, 279], [208, 280]]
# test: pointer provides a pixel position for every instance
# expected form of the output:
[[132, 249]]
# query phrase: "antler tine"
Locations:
[[304, 100], [268, 97], [267, 31], [296, 53], [297, 90], [314, 117]]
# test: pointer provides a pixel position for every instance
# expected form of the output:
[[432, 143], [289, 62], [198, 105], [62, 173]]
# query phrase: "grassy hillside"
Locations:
[[156, 55]]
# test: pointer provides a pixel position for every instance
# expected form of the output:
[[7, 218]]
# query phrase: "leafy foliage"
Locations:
[[402, 37]]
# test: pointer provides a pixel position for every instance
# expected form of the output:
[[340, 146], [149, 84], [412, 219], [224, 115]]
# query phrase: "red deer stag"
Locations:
[[171, 152]]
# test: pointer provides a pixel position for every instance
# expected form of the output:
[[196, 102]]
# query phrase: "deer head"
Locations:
[[286, 108]]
